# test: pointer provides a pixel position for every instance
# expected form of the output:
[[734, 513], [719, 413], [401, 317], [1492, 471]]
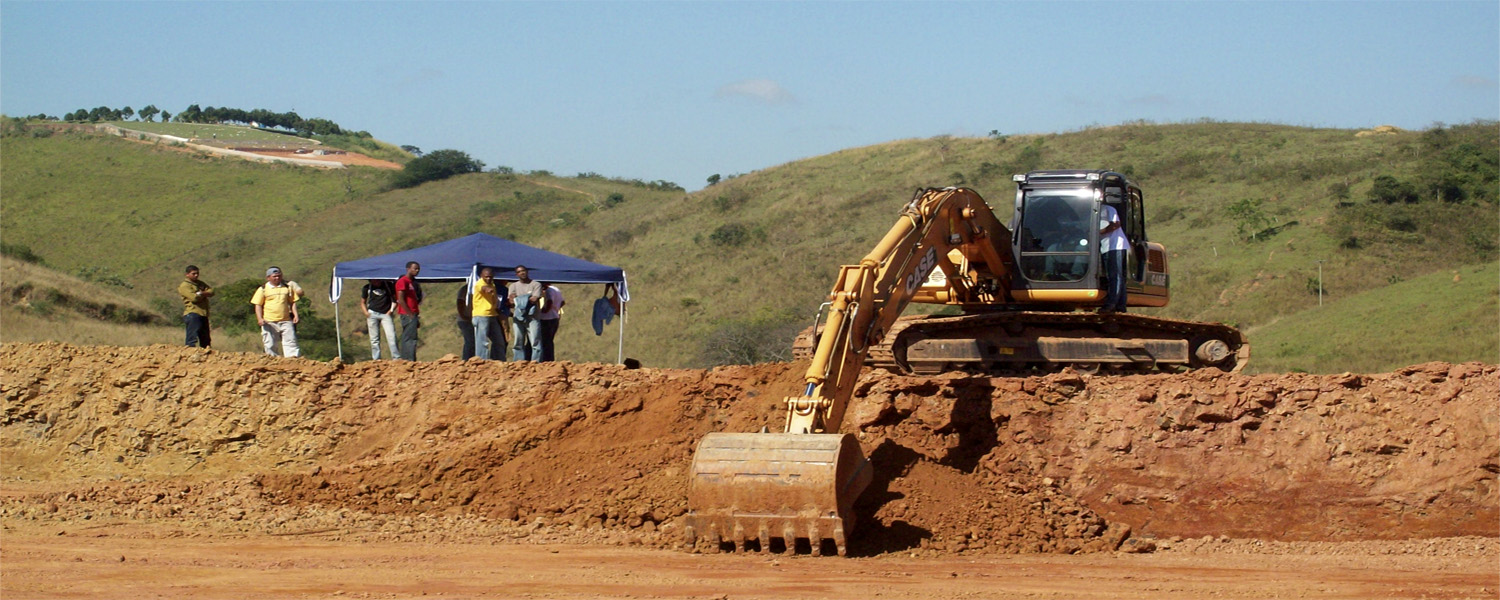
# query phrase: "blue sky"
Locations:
[[680, 91]]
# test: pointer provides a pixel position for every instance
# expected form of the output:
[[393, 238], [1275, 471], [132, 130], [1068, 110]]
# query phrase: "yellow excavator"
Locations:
[[1026, 297]]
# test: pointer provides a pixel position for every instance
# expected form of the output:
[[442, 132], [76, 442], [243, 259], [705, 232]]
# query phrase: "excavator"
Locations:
[[1026, 299]]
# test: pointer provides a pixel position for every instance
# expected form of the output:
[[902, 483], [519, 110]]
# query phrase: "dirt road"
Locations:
[[213, 473], [130, 562]]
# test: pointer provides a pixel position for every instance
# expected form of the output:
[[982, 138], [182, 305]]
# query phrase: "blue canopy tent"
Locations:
[[460, 260]]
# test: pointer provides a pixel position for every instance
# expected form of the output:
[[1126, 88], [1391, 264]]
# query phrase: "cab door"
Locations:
[[1134, 218]]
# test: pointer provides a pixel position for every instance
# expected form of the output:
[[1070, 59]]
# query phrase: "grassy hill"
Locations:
[[730, 272], [39, 304], [1448, 315]]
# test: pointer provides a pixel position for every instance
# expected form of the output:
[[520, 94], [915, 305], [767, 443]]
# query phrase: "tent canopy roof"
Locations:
[[458, 259]]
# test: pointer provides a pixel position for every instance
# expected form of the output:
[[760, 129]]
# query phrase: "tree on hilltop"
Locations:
[[436, 165], [149, 112], [192, 114]]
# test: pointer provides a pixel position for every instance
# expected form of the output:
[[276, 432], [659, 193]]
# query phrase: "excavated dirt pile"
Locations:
[[596, 453]]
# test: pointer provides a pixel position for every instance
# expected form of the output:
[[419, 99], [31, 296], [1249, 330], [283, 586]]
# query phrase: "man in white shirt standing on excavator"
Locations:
[[1112, 248]]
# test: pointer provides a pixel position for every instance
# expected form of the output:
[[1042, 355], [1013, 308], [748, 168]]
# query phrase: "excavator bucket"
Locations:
[[758, 489]]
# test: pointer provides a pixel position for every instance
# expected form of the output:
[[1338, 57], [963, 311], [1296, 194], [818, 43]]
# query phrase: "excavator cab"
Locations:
[[1055, 237]]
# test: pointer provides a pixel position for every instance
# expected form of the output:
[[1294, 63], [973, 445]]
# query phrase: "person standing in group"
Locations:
[[464, 307], [408, 305], [465, 320], [1112, 248], [378, 300], [276, 312], [487, 303], [195, 295], [549, 314], [523, 294]]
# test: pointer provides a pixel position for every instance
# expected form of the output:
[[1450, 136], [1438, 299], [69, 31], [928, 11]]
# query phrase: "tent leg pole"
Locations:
[[620, 356], [338, 331]]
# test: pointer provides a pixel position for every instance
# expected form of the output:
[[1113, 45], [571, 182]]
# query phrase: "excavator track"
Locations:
[[1027, 342]]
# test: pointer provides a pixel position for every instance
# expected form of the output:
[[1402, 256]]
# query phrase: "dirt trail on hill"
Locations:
[[593, 453]]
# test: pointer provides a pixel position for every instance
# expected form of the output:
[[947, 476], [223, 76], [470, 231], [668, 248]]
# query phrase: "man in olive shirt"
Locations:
[[195, 296]]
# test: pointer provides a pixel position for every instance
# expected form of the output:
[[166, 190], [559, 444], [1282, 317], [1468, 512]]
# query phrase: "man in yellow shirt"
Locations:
[[195, 296], [486, 315], [276, 311]]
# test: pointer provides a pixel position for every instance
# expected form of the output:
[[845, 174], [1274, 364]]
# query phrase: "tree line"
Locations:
[[287, 121]]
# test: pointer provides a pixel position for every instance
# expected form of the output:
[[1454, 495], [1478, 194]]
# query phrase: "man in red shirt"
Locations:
[[408, 301]]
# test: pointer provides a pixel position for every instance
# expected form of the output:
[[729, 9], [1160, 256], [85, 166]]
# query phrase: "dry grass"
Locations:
[[38, 304]]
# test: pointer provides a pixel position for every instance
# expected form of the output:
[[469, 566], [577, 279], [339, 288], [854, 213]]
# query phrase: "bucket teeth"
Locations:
[[750, 489], [759, 533]]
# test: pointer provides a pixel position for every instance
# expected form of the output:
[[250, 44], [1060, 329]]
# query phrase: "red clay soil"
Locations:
[[594, 453]]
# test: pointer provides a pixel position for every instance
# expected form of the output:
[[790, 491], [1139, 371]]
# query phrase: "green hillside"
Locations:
[[1448, 315], [730, 272]]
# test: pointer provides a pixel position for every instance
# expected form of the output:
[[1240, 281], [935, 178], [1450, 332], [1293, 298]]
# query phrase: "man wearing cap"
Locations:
[[195, 296], [276, 311]]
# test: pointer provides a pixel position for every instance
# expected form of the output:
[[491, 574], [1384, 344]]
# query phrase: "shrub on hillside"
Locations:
[[20, 252], [1389, 190], [434, 166], [101, 274], [730, 200], [735, 234], [765, 337], [1249, 218], [231, 308]]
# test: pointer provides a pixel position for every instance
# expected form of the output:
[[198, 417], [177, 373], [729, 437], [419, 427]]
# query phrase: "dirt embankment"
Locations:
[[591, 452]]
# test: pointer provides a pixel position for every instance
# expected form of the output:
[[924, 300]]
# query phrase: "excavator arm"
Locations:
[[797, 488], [949, 229]]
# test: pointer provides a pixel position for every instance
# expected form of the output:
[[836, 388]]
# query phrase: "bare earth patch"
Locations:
[[347, 158], [172, 472]]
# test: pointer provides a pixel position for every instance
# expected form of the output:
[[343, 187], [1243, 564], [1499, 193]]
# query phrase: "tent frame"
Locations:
[[460, 259], [336, 294]]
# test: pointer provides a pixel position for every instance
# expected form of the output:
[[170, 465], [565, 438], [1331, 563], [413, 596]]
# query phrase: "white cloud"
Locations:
[[421, 77], [1150, 100], [759, 90], [1474, 82]]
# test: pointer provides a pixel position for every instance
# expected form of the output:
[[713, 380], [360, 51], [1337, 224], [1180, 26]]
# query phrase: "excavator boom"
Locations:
[[797, 488]]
